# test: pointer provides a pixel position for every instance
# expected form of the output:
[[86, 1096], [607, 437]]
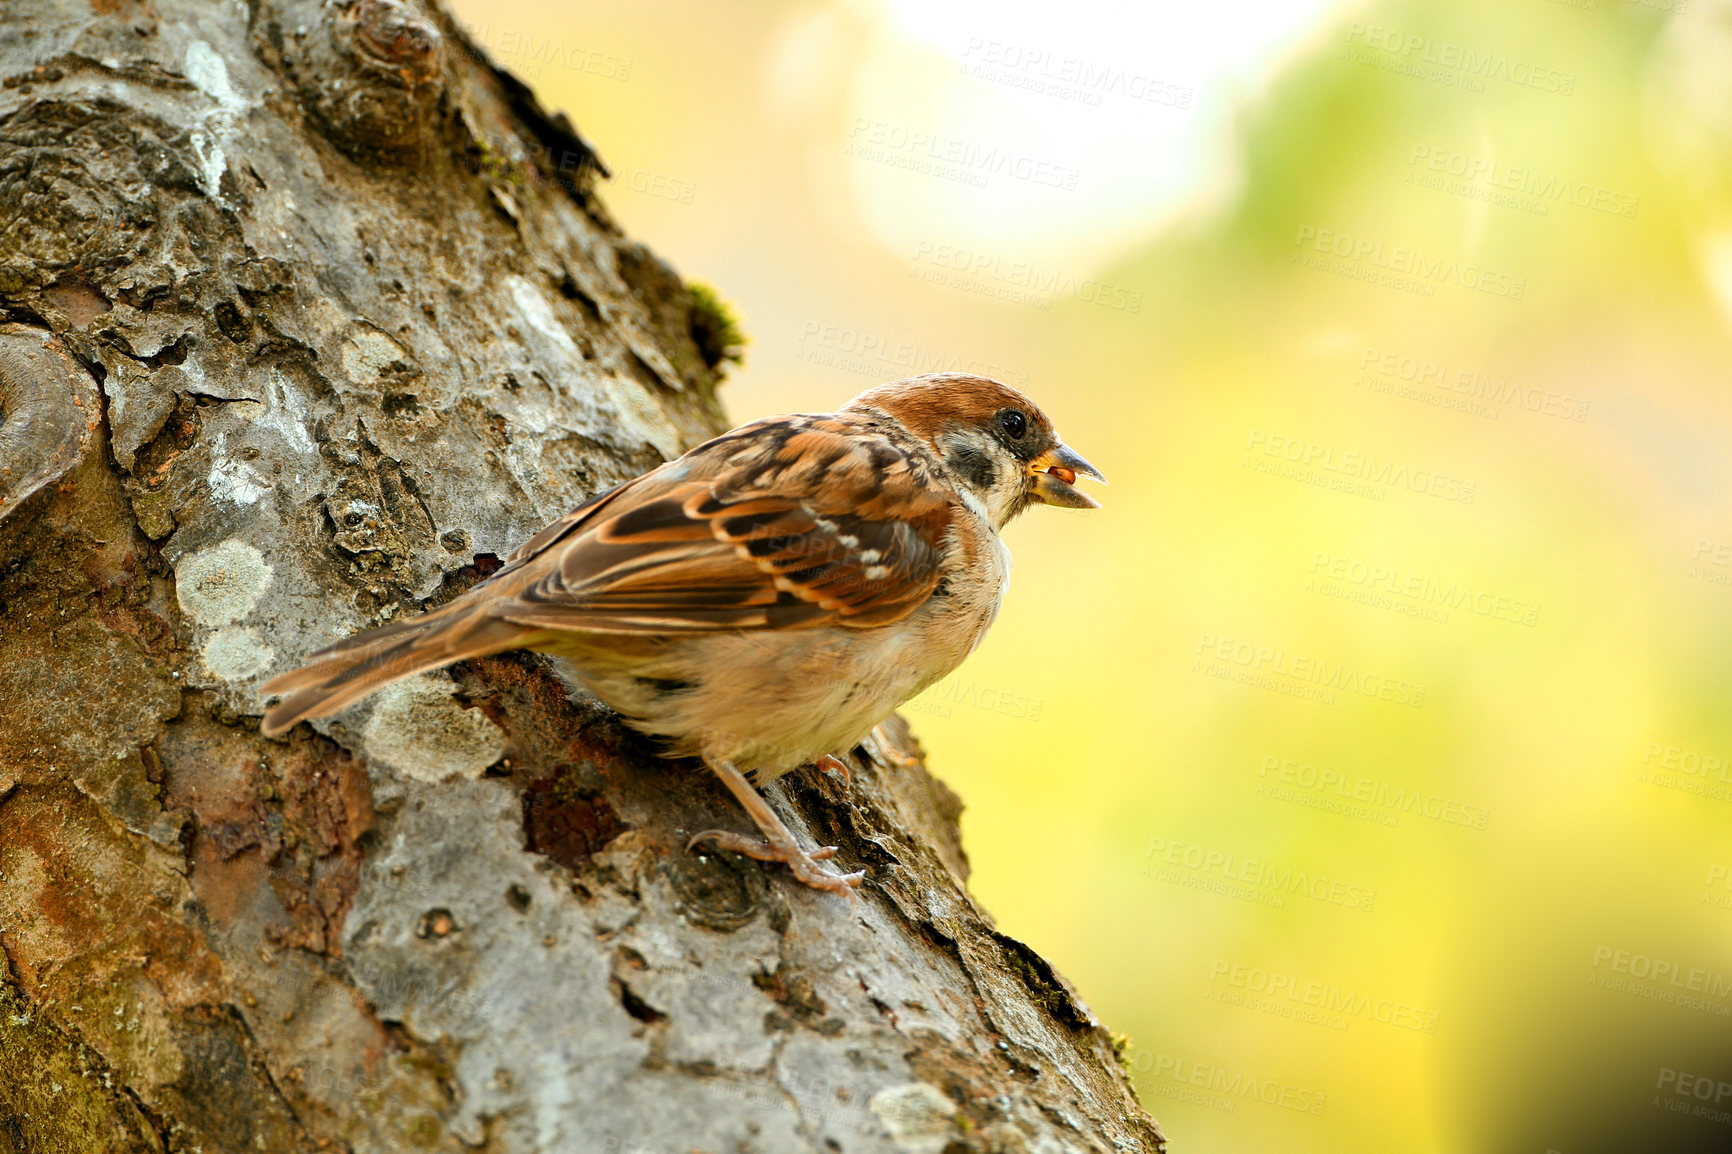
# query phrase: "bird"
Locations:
[[764, 601]]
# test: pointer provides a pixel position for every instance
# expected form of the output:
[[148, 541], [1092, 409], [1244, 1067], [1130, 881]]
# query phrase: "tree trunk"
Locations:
[[311, 315]]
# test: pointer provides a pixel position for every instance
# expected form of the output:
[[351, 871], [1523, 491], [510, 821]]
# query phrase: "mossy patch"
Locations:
[[1042, 983], [715, 327], [54, 1091], [1122, 1054]]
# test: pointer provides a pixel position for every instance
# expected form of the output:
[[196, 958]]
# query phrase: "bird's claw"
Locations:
[[834, 767], [887, 751], [804, 864]]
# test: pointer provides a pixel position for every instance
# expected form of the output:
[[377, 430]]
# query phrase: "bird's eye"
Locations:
[[1013, 422]]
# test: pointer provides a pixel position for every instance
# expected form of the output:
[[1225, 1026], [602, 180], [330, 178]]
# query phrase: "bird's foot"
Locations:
[[778, 843], [834, 767], [888, 753], [804, 864]]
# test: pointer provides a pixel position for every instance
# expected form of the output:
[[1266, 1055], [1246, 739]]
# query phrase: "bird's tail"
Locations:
[[343, 673]]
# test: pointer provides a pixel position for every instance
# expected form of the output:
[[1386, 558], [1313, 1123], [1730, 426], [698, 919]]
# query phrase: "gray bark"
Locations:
[[310, 316]]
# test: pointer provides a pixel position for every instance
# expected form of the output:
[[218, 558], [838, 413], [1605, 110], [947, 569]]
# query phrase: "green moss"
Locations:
[[54, 1091], [490, 163], [1121, 1048], [715, 327], [1044, 993], [424, 1131], [1122, 1052], [569, 787]]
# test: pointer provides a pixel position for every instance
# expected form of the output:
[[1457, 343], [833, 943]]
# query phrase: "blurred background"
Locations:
[[1368, 759]]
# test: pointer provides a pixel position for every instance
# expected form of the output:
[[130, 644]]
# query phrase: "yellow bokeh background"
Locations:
[[1368, 758]]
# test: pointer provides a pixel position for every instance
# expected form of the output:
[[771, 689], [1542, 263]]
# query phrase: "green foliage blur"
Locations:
[[1368, 758]]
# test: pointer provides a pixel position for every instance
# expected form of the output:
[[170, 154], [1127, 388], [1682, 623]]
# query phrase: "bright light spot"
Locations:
[[1039, 132]]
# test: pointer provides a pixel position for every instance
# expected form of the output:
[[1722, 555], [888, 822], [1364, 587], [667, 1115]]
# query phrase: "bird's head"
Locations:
[[997, 444]]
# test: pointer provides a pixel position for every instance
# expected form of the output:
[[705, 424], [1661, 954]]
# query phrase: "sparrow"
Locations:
[[764, 601]]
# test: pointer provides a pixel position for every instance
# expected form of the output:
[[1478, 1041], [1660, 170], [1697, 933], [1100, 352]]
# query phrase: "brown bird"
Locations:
[[764, 601]]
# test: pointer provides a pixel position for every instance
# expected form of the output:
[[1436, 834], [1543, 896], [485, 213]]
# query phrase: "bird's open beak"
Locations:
[[1055, 472]]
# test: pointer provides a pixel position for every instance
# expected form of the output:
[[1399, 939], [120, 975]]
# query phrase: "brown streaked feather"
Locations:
[[345, 678], [562, 526], [787, 523], [783, 524]]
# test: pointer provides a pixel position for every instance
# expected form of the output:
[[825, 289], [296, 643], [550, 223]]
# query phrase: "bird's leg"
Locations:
[[888, 752], [778, 844]]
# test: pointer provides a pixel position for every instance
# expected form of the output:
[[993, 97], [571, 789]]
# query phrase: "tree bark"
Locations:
[[311, 315]]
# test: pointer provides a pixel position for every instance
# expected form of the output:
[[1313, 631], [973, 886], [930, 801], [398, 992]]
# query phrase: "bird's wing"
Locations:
[[790, 522], [784, 524]]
